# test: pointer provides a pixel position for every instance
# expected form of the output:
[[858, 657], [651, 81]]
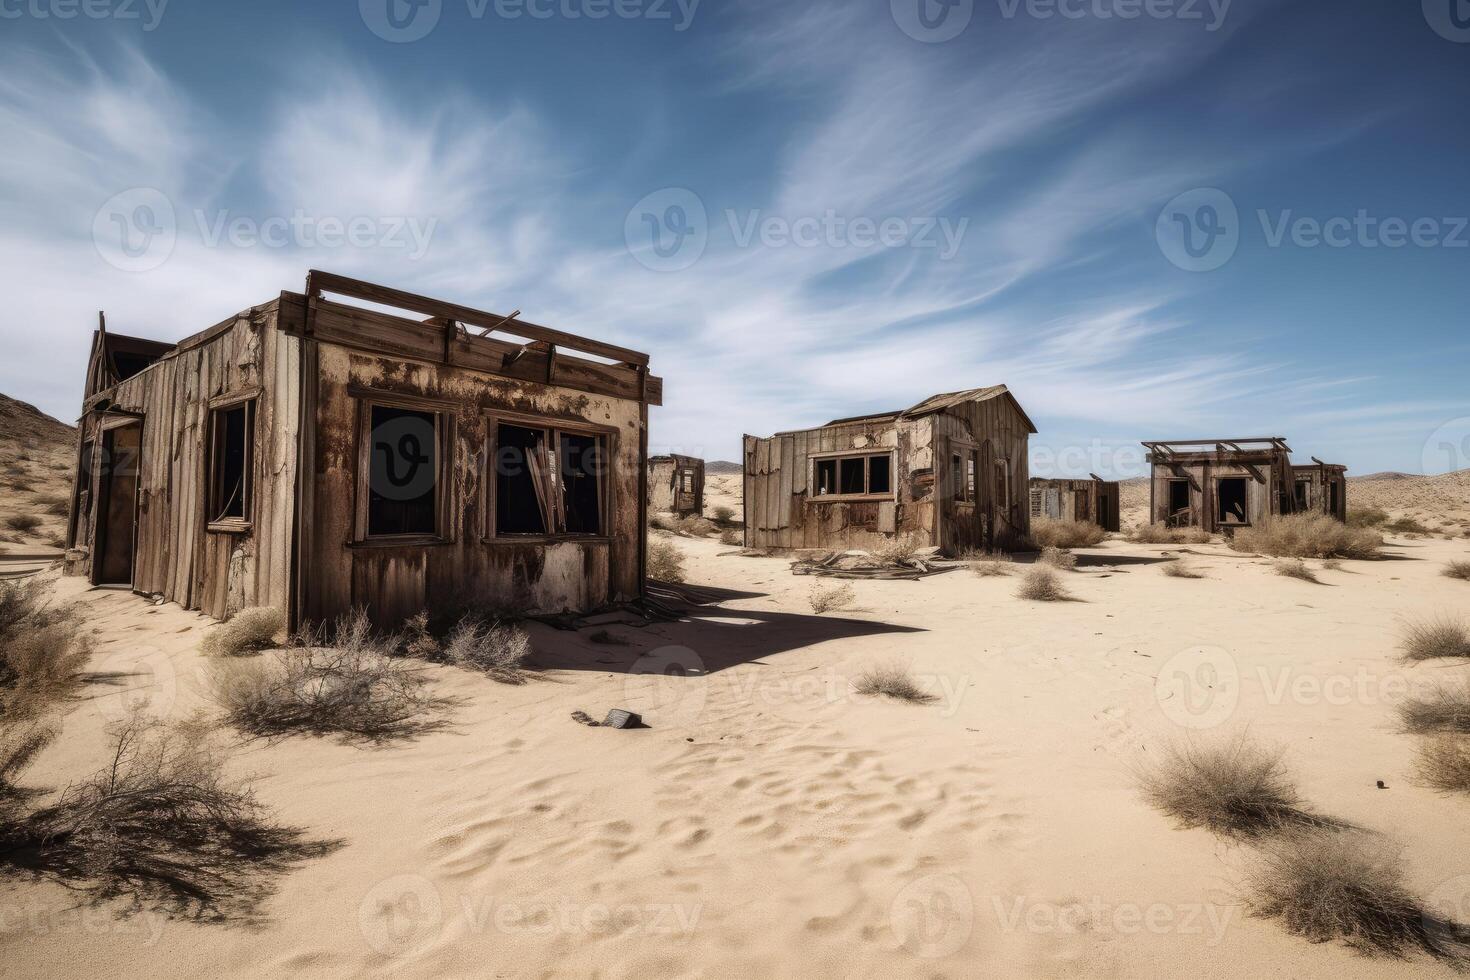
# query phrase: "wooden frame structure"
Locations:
[[1092, 501], [1223, 484], [312, 366], [676, 485]]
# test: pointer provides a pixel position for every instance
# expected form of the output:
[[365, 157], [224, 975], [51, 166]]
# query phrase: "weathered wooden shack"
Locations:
[[676, 485], [316, 455], [950, 472], [1091, 501], [1223, 484]]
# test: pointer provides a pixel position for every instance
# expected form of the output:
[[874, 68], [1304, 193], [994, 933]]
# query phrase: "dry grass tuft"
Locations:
[[827, 598], [1366, 516], [1327, 885], [730, 536], [724, 513], [1458, 569], [43, 651], [892, 680], [1178, 569], [665, 561], [1234, 787], [1057, 558], [1406, 525], [1444, 762], [349, 685], [1065, 534], [1307, 536], [24, 523], [695, 527], [1159, 534], [497, 649], [986, 565], [1294, 568], [1445, 708], [1041, 584], [248, 631], [1435, 639], [897, 553]]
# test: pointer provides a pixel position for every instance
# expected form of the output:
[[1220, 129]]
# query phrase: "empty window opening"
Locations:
[[82, 498], [403, 471], [1334, 488], [851, 476], [231, 462], [686, 481], [520, 477], [1303, 494], [826, 476], [1178, 497], [581, 467], [972, 475], [880, 476], [1231, 499]]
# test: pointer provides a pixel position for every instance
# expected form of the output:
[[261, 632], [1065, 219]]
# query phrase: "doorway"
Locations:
[[1178, 502], [117, 505]]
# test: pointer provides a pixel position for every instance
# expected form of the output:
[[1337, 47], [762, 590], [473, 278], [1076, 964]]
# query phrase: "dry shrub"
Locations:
[[1434, 639], [1327, 885], [348, 685], [1332, 565], [695, 527], [19, 745], [1159, 534], [160, 824], [57, 506], [1047, 532], [24, 523], [1040, 583], [723, 513], [826, 598], [1178, 569], [729, 536], [1235, 787], [1294, 568], [1057, 558], [418, 638], [665, 561], [1307, 536], [1444, 762], [1406, 525], [988, 565], [892, 680], [1366, 516], [897, 553], [43, 650], [248, 631], [1459, 570], [498, 649], [1445, 708]]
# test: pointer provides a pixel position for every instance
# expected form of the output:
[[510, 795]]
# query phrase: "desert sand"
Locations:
[[771, 822]]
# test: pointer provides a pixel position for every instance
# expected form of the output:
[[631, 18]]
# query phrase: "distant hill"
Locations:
[[723, 467], [36, 464]]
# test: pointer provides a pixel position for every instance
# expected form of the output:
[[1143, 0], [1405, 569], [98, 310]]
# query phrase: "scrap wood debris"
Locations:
[[862, 565]]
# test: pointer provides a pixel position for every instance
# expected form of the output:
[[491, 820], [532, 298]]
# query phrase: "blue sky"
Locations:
[[857, 203]]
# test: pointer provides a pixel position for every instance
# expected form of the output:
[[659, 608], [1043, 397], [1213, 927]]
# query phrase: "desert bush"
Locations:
[[1444, 762], [1234, 787], [1332, 565], [348, 684], [1405, 525], [729, 536], [826, 598], [418, 639], [1057, 558], [723, 513], [892, 680], [1065, 534], [1435, 638], [1178, 569], [1041, 584], [24, 523], [1458, 569], [42, 650], [248, 631], [1307, 536], [495, 648], [1329, 885], [1294, 568], [665, 561], [1444, 708], [57, 506], [986, 565], [1159, 534], [897, 553], [1366, 516], [159, 823]]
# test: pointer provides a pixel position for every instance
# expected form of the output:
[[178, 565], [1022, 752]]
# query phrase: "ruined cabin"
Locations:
[[676, 485], [316, 455], [1091, 501], [950, 472], [1222, 484]]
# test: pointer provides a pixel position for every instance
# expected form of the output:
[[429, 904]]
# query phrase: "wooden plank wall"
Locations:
[[994, 421]]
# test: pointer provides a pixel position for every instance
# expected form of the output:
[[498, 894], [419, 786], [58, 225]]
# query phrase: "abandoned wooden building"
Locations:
[[315, 455], [950, 472], [676, 485], [1091, 501], [1222, 484]]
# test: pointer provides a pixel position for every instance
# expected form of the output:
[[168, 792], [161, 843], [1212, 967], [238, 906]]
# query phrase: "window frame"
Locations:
[[214, 523], [444, 431], [865, 455], [554, 429], [1220, 520], [964, 478]]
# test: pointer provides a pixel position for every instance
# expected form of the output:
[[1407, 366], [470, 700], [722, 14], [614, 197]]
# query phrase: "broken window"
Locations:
[[579, 461], [81, 505], [851, 475], [520, 477], [548, 481], [972, 475], [1230, 494], [686, 481], [1178, 497], [403, 471], [826, 477], [231, 461], [854, 476], [880, 474]]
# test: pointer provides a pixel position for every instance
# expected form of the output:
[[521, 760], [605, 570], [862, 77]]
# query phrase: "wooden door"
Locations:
[[117, 505]]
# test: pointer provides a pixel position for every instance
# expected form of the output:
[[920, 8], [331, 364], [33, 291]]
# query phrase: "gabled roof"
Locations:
[[939, 403]]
